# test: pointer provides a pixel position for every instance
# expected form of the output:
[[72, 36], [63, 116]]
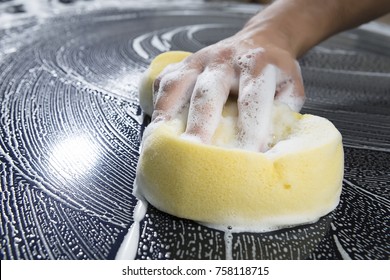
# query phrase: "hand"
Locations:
[[253, 69]]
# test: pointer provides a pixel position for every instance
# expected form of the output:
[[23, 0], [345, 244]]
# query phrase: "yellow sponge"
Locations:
[[156, 66], [296, 181]]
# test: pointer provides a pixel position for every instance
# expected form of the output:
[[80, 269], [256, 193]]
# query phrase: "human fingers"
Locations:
[[255, 101], [172, 92], [157, 81], [290, 88], [209, 96]]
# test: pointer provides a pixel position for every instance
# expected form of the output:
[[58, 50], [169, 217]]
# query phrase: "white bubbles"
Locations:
[[191, 138], [255, 109], [247, 61], [287, 90], [228, 238], [129, 246]]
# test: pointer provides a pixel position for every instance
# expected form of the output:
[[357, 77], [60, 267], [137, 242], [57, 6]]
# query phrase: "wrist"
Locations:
[[291, 26], [266, 33]]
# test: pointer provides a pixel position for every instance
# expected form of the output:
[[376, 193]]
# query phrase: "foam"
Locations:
[[206, 107], [255, 107], [161, 64], [225, 184]]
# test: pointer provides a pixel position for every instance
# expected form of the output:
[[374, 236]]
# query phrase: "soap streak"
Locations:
[[340, 248], [53, 86], [129, 246], [367, 193], [228, 238]]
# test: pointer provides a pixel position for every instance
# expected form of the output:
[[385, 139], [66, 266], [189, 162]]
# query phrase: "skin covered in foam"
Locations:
[[296, 180], [155, 68]]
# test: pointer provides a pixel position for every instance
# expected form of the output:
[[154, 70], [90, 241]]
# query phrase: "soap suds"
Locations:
[[129, 245]]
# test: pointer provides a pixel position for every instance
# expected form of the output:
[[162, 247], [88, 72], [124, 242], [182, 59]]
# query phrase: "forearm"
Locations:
[[298, 25]]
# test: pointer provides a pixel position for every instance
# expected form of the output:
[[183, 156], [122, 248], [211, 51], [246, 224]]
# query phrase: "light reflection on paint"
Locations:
[[74, 157]]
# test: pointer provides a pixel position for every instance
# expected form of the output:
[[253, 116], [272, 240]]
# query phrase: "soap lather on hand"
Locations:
[[258, 64], [222, 185], [242, 178], [203, 81]]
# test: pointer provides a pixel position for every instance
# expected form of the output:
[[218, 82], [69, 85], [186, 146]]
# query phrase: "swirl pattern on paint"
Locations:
[[70, 128]]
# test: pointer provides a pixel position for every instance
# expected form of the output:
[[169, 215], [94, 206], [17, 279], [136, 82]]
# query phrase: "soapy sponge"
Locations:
[[297, 180]]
